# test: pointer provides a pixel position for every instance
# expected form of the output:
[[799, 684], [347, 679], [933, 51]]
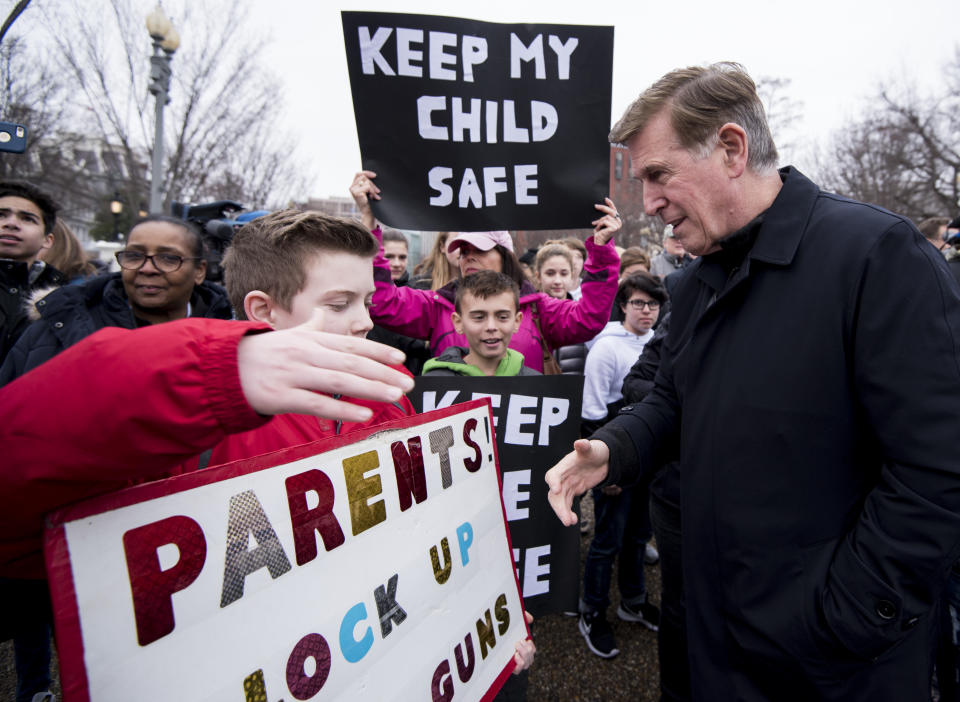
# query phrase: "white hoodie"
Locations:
[[611, 357]]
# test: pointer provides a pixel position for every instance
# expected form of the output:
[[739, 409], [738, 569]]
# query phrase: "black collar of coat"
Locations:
[[772, 236], [786, 220]]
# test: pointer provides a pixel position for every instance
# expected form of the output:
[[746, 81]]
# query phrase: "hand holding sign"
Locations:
[[287, 370], [525, 649], [363, 190], [608, 225], [578, 471]]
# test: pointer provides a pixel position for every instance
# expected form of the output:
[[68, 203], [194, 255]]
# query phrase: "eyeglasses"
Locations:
[[640, 304], [164, 262]]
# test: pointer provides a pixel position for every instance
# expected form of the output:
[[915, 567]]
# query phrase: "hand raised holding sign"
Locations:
[[291, 369], [577, 472], [363, 189], [609, 224]]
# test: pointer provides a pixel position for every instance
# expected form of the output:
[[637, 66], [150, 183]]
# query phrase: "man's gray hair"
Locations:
[[701, 99]]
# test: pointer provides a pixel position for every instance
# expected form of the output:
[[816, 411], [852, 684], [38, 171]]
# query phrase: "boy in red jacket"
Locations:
[[280, 268], [187, 386]]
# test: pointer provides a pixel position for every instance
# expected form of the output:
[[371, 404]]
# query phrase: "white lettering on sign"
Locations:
[[535, 574], [513, 495], [442, 57], [406, 54], [478, 119], [431, 403], [520, 53], [517, 418], [472, 194], [553, 411]]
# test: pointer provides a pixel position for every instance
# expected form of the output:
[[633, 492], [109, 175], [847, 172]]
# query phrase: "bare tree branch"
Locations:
[[220, 137], [904, 153]]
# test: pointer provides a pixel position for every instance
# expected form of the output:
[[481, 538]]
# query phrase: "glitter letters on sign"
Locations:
[[153, 587], [248, 520], [305, 520], [364, 567]]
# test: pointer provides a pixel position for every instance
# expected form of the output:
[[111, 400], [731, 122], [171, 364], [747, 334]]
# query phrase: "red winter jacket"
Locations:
[[124, 406]]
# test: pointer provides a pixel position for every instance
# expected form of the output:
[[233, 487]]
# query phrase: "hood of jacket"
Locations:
[[452, 360], [102, 296], [614, 328]]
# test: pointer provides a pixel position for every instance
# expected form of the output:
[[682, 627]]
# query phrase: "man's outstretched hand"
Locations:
[[297, 370], [577, 472]]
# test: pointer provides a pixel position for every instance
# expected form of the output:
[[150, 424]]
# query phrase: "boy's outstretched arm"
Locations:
[[128, 405], [284, 371]]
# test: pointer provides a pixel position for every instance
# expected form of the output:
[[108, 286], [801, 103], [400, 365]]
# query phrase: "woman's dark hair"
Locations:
[[510, 266], [193, 231], [640, 282], [66, 254]]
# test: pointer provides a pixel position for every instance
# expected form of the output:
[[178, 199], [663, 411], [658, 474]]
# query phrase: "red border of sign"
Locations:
[[73, 676]]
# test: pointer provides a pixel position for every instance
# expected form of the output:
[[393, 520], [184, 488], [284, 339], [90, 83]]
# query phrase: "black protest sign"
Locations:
[[478, 126], [537, 419]]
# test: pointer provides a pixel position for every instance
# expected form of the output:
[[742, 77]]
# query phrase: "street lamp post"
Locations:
[[165, 43], [116, 207]]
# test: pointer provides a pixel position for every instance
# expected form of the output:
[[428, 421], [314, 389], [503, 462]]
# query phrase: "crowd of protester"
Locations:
[[471, 307]]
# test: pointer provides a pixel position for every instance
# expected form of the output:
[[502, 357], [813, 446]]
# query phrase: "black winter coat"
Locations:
[[814, 395], [74, 312], [953, 262], [15, 288]]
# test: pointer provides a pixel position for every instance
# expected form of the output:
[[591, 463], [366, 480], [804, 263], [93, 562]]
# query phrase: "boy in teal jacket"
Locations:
[[487, 313]]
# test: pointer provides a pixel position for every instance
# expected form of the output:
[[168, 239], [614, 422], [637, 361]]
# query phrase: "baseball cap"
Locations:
[[481, 240]]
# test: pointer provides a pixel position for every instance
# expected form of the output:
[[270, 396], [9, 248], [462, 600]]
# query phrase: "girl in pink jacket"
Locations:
[[425, 314]]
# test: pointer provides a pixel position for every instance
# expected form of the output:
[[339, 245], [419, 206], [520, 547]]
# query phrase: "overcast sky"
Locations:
[[833, 52]]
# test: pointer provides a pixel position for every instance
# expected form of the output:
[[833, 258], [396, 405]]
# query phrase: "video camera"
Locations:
[[217, 226]]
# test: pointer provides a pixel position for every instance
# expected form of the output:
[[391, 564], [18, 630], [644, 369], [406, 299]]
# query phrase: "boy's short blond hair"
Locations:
[[271, 253]]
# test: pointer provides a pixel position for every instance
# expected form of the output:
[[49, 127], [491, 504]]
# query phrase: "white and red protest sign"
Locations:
[[372, 566]]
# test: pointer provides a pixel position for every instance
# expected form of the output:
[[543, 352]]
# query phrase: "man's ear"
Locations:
[[259, 307], [47, 241], [519, 318], [457, 322], [732, 140]]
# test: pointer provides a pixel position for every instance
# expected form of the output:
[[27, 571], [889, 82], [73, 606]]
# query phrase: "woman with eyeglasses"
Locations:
[[161, 278]]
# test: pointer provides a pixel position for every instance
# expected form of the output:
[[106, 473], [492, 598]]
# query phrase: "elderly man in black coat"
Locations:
[[813, 391]]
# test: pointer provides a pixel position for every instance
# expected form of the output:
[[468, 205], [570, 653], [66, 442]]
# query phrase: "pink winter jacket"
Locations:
[[425, 314]]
